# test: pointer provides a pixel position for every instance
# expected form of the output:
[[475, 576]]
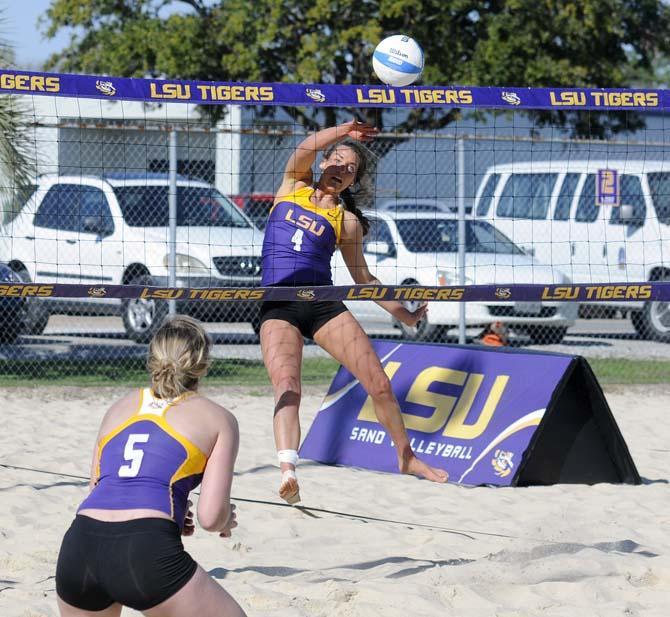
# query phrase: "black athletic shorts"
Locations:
[[307, 316], [138, 563]]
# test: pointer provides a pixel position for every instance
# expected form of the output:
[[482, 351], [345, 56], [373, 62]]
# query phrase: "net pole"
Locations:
[[460, 180], [172, 214]]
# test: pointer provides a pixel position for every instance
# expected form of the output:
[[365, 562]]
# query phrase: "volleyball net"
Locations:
[[541, 212]]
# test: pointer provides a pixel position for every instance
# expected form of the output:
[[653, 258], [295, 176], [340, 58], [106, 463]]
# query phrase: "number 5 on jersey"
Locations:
[[133, 455]]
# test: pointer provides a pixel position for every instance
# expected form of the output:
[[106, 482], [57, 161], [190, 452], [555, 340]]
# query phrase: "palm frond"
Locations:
[[18, 166]]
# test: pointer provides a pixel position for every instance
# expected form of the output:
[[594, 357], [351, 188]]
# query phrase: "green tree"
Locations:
[[17, 166], [586, 43]]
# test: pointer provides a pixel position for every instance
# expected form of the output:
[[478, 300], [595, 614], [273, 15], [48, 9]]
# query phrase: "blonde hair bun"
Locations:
[[178, 357]]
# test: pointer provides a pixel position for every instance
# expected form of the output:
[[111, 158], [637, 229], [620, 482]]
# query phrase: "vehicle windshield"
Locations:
[[197, 206], [441, 236], [659, 185]]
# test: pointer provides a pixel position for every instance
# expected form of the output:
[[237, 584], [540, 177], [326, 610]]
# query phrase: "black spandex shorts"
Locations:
[[307, 316], [138, 563]]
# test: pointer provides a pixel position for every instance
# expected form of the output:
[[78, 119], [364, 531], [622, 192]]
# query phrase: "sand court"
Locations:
[[556, 550]]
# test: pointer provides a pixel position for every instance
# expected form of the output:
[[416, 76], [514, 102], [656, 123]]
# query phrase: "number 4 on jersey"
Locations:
[[297, 239], [133, 455]]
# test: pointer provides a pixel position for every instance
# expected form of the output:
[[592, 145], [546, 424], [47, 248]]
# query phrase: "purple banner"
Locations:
[[238, 93], [469, 411], [653, 291]]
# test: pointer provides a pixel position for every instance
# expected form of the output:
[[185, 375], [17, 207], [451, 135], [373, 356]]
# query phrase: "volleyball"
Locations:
[[398, 60]]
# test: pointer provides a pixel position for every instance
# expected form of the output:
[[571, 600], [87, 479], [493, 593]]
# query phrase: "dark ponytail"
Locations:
[[349, 201], [361, 193]]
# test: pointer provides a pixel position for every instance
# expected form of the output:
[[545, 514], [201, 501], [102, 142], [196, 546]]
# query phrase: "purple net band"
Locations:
[[646, 291], [237, 93]]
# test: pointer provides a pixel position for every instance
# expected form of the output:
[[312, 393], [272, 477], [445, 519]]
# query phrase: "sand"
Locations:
[[562, 550]]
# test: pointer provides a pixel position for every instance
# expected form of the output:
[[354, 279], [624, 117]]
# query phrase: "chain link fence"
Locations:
[[98, 213]]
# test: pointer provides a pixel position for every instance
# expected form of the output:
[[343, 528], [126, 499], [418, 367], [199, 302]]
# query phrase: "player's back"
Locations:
[[151, 454]]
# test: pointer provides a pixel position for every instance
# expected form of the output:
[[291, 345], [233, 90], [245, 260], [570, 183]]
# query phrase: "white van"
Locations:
[[598, 221], [114, 230]]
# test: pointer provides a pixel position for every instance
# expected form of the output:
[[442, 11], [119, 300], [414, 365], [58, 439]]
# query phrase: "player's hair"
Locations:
[[360, 194], [178, 357]]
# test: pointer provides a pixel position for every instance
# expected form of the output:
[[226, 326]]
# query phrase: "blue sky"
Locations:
[[20, 30], [30, 46]]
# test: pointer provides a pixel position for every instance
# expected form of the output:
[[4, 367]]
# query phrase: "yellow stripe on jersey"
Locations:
[[194, 464], [114, 432], [301, 197]]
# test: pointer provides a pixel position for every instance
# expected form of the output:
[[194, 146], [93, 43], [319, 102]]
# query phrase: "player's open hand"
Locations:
[[189, 526], [411, 318], [360, 131], [227, 530]]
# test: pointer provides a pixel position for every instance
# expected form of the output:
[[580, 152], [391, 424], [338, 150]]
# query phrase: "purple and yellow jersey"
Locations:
[[145, 463], [300, 239]]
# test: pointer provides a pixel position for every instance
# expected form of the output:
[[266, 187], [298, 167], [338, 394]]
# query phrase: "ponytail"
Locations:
[[178, 357], [350, 204]]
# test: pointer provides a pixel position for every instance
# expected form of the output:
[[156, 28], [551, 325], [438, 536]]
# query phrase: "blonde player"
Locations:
[[154, 446]]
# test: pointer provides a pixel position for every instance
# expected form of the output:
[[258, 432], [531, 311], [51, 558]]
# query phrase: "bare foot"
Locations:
[[289, 490], [413, 466]]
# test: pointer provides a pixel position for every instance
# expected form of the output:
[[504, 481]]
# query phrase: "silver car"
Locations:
[[422, 249]]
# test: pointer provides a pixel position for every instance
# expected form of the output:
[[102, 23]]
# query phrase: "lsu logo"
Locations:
[[305, 294], [511, 97], [97, 292], [106, 87], [503, 293], [465, 415], [502, 463], [315, 94]]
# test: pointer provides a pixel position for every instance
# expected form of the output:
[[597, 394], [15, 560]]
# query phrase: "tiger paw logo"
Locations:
[[106, 87], [315, 94], [502, 463], [305, 294], [503, 293], [511, 97], [97, 292]]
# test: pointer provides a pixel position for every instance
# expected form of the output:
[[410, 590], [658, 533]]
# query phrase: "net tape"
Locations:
[[651, 291], [229, 93]]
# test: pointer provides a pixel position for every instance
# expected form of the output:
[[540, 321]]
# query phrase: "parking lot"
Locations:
[[98, 339]]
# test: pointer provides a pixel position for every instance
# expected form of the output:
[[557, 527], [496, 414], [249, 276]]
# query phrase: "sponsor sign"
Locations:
[[608, 188], [472, 412]]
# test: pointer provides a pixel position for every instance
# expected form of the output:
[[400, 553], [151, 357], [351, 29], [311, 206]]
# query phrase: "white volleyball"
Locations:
[[398, 60]]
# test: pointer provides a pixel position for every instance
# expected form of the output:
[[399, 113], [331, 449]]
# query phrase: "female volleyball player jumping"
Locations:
[[154, 446], [308, 221]]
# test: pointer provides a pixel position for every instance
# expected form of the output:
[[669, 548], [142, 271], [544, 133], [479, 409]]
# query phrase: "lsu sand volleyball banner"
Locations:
[[478, 414]]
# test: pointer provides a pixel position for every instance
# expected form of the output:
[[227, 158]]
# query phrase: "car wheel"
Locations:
[[546, 335], [653, 321], [36, 311], [11, 326], [142, 316]]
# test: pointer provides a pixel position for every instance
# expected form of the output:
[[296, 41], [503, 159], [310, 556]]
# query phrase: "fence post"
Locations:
[[460, 181], [172, 216]]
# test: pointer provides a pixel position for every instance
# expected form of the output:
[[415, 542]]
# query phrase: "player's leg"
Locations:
[[202, 597], [281, 344], [67, 610], [344, 339]]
